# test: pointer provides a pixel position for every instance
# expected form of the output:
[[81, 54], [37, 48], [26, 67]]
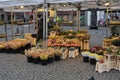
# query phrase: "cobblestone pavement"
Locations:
[[15, 67]]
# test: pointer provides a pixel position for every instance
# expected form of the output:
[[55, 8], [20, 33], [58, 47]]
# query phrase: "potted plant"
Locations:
[[2, 48], [44, 58], [14, 48], [109, 50], [118, 52], [116, 42], [29, 56], [85, 55], [100, 52], [27, 46], [51, 57], [36, 58], [8, 49], [92, 58], [57, 55]]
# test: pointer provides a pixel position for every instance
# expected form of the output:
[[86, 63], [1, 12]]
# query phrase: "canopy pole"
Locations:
[[35, 13], [12, 23], [107, 22], [5, 26], [78, 19], [44, 24]]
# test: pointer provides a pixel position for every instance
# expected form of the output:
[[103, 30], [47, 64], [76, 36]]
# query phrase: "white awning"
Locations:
[[84, 3], [10, 3], [64, 1], [18, 10]]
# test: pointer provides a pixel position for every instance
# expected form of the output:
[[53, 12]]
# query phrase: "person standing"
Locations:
[[40, 28]]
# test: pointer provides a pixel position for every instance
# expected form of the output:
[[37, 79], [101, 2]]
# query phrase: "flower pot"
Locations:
[[29, 59], [2, 50], [44, 62], [85, 59], [8, 50], [15, 50], [50, 59], [93, 61], [36, 60], [57, 57], [21, 49], [27, 46]]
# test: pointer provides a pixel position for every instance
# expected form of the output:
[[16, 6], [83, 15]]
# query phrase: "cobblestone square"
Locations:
[[15, 67]]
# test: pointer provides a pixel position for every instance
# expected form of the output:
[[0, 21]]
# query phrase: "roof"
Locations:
[[9, 3], [83, 3]]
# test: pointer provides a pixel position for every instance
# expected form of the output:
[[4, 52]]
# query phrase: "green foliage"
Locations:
[[100, 52], [109, 50], [118, 52]]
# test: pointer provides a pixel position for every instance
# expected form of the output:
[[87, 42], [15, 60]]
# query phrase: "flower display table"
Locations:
[[118, 63], [14, 46], [107, 43], [101, 67], [108, 64], [64, 53], [111, 61]]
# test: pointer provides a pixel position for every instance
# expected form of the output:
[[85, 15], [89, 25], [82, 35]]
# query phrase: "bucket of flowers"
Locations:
[[116, 42], [44, 58], [57, 54], [15, 48], [36, 58], [2, 48], [28, 56], [92, 58], [85, 55], [51, 57], [8, 47]]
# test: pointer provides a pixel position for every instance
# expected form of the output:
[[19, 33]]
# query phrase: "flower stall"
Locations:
[[61, 44], [69, 38]]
